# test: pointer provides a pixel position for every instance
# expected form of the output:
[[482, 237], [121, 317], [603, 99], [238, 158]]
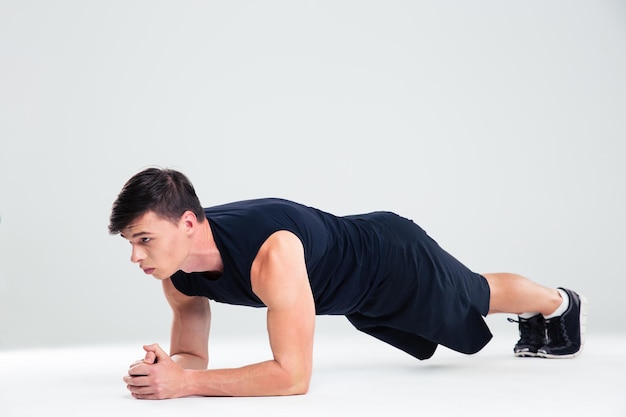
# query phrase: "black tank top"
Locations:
[[344, 258]]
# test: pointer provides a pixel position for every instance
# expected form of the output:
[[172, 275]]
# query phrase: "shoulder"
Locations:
[[251, 204], [278, 273], [280, 245], [256, 215]]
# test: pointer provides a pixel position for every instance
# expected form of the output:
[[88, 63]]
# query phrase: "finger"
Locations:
[[141, 391], [139, 370], [160, 353], [150, 358], [137, 381], [143, 397]]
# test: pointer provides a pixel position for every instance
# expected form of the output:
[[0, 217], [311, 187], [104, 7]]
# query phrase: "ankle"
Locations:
[[561, 305]]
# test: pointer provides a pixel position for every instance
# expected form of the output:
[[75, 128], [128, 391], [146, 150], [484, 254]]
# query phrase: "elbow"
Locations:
[[190, 361], [304, 390], [301, 385], [296, 384], [298, 388]]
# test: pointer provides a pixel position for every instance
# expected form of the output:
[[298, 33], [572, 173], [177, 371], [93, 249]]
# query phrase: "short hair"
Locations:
[[166, 192]]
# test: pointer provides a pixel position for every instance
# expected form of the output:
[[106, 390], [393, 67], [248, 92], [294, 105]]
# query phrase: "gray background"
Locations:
[[499, 126]]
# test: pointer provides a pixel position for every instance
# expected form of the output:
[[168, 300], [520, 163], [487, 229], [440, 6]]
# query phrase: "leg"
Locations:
[[515, 294], [550, 334]]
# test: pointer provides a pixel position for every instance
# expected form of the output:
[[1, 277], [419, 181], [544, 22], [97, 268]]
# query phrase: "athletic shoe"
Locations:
[[565, 334], [532, 333]]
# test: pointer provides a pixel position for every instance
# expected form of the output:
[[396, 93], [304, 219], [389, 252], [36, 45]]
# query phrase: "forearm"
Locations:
[[261, 379]]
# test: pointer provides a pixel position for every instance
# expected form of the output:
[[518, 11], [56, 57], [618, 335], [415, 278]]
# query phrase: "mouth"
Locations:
[[148, 271]]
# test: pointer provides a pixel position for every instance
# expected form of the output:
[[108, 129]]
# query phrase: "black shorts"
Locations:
[[427, 297]]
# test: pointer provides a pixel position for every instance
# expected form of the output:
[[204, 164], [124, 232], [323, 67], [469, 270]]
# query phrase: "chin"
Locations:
[[159, 276]]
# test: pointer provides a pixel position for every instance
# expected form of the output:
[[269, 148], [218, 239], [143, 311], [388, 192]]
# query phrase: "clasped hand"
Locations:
[[156, 376]]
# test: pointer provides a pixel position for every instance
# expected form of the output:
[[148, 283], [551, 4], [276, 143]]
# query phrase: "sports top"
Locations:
[[380, 270]]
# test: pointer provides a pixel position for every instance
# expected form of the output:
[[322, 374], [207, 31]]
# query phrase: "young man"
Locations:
[[381, 271]]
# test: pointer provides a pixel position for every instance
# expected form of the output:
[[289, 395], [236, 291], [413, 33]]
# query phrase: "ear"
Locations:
[[189, 221]]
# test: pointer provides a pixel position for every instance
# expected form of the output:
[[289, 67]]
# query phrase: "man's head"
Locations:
[[157, 212], [165, 192]]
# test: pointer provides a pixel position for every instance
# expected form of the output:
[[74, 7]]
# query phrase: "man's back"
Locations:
[[342, 254]]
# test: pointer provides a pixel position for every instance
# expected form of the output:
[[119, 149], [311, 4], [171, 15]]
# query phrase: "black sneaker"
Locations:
[[565, 334], [532, 333]]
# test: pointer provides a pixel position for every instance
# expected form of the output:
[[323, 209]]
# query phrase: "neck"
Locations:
[[203, 255]]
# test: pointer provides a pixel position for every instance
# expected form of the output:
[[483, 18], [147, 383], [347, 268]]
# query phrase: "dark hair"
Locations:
[[166, 192]]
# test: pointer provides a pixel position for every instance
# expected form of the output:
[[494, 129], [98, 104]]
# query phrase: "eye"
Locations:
[[146, 239]]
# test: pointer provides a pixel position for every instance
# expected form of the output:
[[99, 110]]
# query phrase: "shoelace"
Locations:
[[529, 331], [555, 332]]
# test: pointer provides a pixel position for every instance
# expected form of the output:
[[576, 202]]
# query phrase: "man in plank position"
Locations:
[[380, 270]]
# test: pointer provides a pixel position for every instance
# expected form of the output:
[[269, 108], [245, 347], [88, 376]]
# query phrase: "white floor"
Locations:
[[353, 375]]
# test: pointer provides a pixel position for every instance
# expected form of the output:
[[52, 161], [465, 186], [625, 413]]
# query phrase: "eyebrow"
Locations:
[[134, 235]]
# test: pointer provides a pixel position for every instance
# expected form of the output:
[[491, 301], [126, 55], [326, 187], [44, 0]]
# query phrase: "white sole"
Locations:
[[526, 355]]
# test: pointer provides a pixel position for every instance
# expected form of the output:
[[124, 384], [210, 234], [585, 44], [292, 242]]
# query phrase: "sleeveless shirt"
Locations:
[[343, 255], [380, 270]]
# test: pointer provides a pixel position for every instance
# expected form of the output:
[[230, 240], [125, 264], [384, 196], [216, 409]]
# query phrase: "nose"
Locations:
[[137, 254]]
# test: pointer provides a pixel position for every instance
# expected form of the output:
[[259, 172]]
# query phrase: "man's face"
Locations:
[[159, 246]]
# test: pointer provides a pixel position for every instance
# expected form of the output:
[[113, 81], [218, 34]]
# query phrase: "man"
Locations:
[[381, 271]]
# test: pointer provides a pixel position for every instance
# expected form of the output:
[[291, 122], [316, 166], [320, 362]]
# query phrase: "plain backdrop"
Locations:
[[498, 126]]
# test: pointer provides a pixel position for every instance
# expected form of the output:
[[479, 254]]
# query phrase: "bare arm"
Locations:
[[190, 328], [280, 280], [160, 376]]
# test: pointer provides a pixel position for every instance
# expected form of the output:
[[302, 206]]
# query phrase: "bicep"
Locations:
[[291, 334], [280, 279]]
